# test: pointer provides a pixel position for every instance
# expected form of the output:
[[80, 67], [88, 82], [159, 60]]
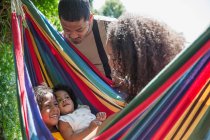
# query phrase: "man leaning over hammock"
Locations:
[[85, 31]]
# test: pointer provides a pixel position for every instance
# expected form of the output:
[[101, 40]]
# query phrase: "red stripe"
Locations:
[[83, 87], [16, 34], [34, 58], [183, 104], [141, 107]]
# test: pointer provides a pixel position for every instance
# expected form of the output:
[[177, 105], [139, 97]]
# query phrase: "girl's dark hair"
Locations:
[[74, 10], [69, 91]]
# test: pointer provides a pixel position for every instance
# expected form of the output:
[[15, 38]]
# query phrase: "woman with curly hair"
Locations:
[[138, 48]]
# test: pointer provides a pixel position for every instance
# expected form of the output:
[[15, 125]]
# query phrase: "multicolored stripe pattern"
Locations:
[[43, 55], [174, 105]]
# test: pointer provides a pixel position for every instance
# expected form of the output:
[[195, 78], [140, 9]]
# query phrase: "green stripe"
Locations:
[[169, 70], [202, 128]]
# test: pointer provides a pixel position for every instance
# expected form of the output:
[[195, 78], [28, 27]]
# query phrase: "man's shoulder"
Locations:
[[104, 18], [104, 21]]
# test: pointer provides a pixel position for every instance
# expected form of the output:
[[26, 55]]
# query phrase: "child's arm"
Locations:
[[68, 133], [101, 116]]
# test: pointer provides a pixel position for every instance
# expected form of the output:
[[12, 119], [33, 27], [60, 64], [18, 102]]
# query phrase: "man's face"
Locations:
[[76, 31]]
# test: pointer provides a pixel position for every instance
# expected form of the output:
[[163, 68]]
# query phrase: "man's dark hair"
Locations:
[[74, 10], [69, 91]]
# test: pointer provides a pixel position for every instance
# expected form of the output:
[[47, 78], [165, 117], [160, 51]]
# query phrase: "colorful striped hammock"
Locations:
[[174, 105]]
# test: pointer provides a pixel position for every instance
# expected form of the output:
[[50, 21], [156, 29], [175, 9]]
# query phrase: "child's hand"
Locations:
[[101, 116], [95, 123]]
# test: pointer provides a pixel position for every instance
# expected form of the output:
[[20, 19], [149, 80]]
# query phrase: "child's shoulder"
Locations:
[[83, 106], [82, 109]]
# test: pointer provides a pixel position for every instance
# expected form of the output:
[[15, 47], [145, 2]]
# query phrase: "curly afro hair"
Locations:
[[141, 47]]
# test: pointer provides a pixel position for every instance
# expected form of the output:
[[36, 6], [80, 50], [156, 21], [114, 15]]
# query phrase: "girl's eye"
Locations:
[[47, 106], [59, 100], [67, 97]]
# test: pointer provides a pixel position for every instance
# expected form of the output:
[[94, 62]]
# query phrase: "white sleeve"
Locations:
[[67, 118]]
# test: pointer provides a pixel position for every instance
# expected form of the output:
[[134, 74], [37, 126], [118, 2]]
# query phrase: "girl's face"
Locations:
[[65, 103], [109, 53], [116, 68], [49, 111], [112, 63]]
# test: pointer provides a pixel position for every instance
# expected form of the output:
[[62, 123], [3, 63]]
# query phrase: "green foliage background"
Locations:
[[113, 8], [50, 10], [9, 116]]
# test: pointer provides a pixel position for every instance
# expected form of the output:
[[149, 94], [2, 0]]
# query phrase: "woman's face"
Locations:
[[116, 69], [113, 63], [110, 54]]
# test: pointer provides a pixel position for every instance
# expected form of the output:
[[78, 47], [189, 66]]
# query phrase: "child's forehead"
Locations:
[[48, 96], [61, 93]]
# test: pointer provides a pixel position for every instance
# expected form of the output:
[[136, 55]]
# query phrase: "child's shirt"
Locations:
[[79, 119]]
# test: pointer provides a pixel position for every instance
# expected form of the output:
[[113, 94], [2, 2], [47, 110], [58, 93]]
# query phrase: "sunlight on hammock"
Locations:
[[174, 105]]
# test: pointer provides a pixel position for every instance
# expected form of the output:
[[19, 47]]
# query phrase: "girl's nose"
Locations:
[[64, 100]]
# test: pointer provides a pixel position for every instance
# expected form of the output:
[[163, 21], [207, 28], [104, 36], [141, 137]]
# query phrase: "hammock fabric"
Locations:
[[174, 105]]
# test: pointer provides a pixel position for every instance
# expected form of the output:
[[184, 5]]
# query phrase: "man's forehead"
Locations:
[[73, 24]]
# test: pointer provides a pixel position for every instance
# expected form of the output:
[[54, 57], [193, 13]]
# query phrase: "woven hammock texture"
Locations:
[[174, 105]]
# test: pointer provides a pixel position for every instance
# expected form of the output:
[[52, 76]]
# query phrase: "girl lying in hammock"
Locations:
[[48, 108], [76, 121]]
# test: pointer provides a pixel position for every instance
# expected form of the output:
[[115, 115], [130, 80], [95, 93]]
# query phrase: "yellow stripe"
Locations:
[[201, 114], [43, 70], [178, 123], [54, 42], [78, 72], [118, 103]]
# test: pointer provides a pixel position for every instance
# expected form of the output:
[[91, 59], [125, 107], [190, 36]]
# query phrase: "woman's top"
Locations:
[[79, 119]]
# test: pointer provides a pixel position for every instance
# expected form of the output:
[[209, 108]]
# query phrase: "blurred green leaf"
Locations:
[[9, 117], [112, 8]]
